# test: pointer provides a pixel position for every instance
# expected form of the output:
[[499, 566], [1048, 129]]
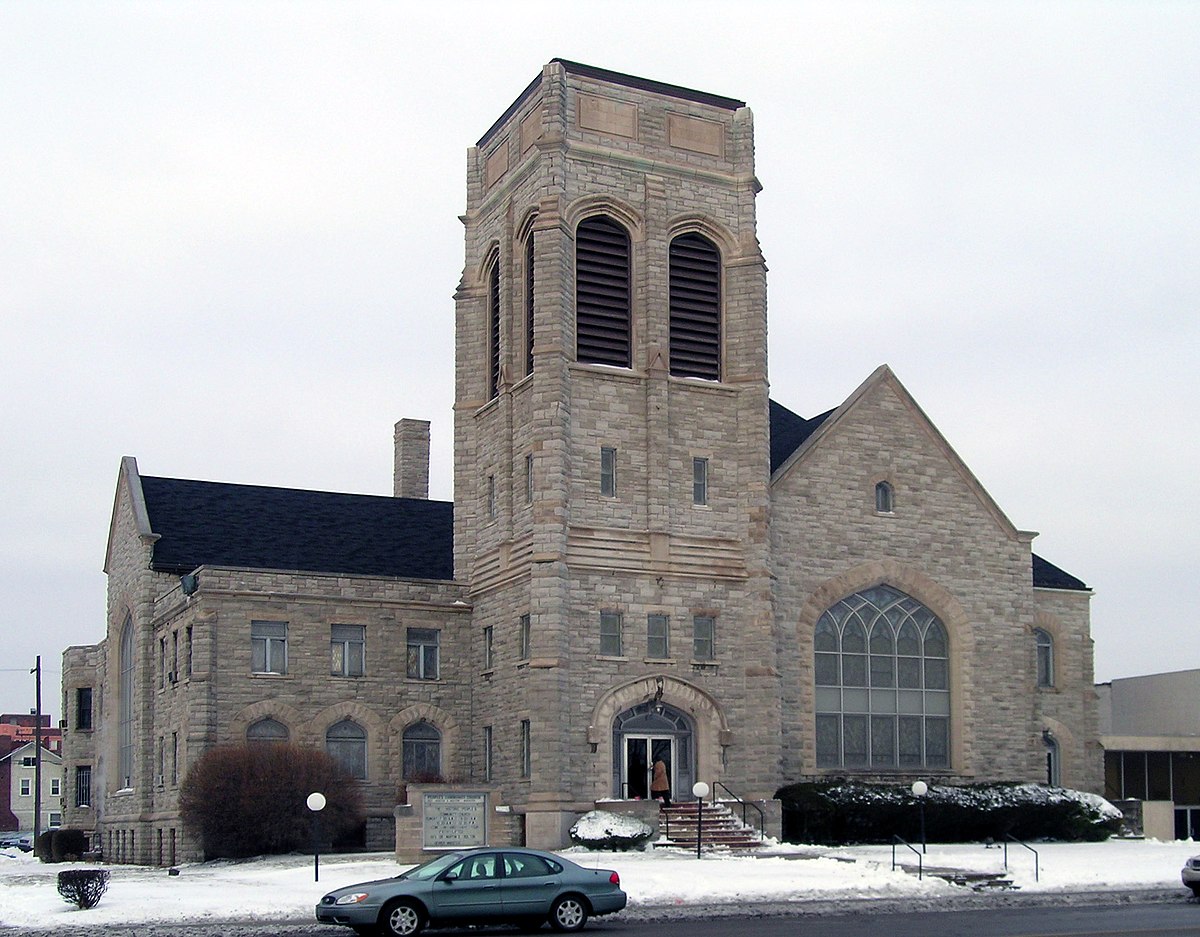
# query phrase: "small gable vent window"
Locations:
[[695, 281], [493, 300], [602, 292], [884, 501]]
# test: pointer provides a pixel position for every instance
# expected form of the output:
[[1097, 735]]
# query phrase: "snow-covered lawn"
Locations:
[[282, 888]]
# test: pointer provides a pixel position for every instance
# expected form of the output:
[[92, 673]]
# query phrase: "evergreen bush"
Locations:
[[840, 812], [249, 800]]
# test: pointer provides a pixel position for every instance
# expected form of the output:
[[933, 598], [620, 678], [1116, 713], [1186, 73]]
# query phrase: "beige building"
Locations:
[[646, 557], [1150, 730], [22, 776]]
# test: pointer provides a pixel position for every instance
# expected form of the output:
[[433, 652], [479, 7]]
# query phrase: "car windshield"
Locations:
[[433, 867]]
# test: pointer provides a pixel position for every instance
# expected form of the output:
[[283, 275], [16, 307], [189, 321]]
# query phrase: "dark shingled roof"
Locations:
[[1048, 576], [788, 432], [212, 523]]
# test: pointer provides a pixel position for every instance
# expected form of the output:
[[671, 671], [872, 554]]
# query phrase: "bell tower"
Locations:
[[612, 440]]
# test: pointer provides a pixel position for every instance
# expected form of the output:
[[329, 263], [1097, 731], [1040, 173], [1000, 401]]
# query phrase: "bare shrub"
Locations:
[[249, 800], [83, 887]]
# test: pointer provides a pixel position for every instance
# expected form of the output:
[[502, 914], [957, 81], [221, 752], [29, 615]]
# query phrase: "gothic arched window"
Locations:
[[267, 731], [602, 298], [881, 660], [493, 302], [695, 307], [1045, 657], [884, 499], [422, 752], [125, 700], [346, 743]]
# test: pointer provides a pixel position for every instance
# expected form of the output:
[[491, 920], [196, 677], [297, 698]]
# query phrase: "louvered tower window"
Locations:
[[529, 304], [493, 300], [602, 292], [695, 307]]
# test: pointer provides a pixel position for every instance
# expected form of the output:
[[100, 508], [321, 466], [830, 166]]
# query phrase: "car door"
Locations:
[[529, 885], [469, 890]]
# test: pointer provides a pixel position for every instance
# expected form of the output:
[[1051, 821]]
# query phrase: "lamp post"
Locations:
[[919, 790], [316, 803], [700, 791]]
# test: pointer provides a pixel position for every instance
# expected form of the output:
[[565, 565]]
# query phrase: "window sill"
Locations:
[[885, 513], [704, 665], [659, 660], [615, 658], [270, 675]]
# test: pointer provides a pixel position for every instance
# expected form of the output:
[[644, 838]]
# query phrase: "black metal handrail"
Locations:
[[1008, 837], [896, 840], [762, 817]]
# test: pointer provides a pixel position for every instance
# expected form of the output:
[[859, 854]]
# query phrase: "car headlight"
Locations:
[[352, 899]]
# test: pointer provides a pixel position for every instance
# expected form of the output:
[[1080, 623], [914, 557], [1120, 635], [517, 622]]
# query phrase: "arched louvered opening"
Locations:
[[493, 299], [695, 282], [529, 304], [602, 292]]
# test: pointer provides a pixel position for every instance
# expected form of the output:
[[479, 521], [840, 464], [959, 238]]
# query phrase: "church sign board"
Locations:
[[454, 820]]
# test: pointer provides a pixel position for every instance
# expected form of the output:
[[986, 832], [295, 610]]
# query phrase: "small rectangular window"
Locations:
[[699, 481], [83, 785], [487, 648], [610, 634], [162, 662], [422, 654], [83, 708], [26, 787], [523, 638], [347, 650], [56, 787], [608, 471], [174, 757], [529, 478], [658, 630], [491, 497], [188, 658], [703, 637], [268, 646], [487, 753], [526, 753]]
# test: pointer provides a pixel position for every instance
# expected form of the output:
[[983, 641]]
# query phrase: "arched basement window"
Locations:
[[695, 306], [1045, 657], [125, 698], [602, 301], [346, 743], [268, 732], [493, 301], [422, 752], [881, 660]]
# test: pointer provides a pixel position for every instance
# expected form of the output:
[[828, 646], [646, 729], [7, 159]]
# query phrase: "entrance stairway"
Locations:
[[720, 828]]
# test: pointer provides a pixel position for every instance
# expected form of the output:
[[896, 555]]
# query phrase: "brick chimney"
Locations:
[[410, 478]]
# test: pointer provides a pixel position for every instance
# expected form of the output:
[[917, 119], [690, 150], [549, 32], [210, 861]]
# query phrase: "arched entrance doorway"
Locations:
[[642, 735]]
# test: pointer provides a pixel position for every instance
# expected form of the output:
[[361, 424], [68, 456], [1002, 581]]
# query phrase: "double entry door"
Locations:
[[641, 751]]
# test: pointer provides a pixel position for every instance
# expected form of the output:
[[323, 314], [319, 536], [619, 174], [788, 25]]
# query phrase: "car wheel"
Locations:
[[402, 919], [568, 914]]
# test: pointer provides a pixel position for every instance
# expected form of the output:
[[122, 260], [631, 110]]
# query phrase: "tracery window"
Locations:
[[881, 660]]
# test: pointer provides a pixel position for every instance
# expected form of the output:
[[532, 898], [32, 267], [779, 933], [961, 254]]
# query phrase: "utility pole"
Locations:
[[37, 755]]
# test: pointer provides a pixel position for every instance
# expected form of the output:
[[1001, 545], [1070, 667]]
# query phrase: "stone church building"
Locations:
[[646, 556]]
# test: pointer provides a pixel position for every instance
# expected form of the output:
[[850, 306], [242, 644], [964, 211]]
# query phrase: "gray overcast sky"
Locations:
[[229, 241]]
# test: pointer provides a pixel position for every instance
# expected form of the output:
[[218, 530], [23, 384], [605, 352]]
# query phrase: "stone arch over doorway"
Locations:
[[700, 715]]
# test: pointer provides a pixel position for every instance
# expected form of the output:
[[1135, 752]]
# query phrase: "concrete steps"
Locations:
[[720, 828]]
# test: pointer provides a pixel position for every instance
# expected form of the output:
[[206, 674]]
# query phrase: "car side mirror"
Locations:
[[450, 878]]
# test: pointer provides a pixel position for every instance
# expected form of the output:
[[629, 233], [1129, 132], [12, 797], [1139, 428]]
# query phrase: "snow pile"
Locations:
[[600, 829]]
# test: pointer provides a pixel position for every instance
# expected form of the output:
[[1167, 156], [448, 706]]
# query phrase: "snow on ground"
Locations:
[[282, 888]]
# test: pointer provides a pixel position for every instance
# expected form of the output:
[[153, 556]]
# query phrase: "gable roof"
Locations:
[[201, 523], [790, 431]]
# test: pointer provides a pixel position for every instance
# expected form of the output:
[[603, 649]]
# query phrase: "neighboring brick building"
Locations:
[[646, 557]]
